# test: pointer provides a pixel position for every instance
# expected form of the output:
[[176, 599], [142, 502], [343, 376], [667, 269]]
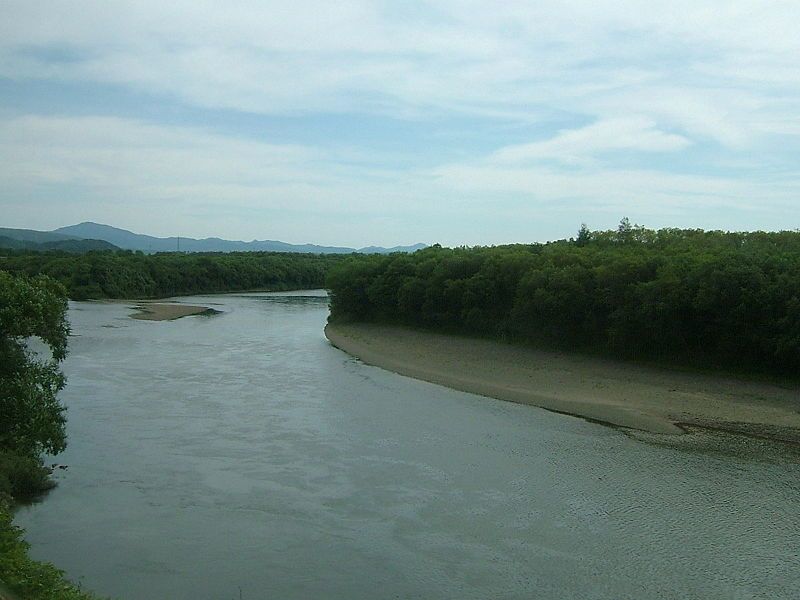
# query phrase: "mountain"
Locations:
[[29, 235], [382, 250], [128, 240], [78, 246], [29, 239]]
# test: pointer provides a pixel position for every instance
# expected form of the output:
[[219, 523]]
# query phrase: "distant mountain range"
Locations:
[[95, 236], [28, 239]]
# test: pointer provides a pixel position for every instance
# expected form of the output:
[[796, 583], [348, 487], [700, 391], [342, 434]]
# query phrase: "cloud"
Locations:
[[167, 179], [578, 145], [687, 61], [650, 191], [678, 111], [579, 170], [118, 154]]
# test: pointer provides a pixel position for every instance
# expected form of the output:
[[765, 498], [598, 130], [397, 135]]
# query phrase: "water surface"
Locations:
[[241, 454]]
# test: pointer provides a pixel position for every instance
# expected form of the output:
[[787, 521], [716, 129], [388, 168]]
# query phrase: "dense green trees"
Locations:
[[33, 418], [128, 274], [712, 299]]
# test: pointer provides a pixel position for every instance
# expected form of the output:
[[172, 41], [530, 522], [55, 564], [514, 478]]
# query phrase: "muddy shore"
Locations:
[[617, 393]]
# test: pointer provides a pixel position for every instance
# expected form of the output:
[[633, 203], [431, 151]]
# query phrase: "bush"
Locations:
[[27, 578], [32, 423], [22, 477]]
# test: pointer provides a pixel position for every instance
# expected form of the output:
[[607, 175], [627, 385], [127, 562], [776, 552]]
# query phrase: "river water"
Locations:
[[242, 456]]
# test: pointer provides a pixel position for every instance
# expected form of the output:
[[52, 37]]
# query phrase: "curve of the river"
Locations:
[[241, 455]]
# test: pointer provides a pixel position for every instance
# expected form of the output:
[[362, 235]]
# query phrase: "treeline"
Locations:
[[710, 299], [126, 274]]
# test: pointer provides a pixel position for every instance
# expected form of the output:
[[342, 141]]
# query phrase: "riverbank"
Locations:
[[163, 311], [612, 392], [30, 579]]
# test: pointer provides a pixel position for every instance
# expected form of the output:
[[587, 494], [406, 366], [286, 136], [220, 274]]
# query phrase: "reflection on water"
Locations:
[[243, 452]]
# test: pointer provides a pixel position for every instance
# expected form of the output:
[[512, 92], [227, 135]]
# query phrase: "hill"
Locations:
[[78, 245], [38, 237], [27, 239], [129, 240]]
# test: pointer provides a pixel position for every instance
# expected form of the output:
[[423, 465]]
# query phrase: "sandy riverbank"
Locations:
[[618, 393], [163, 311]]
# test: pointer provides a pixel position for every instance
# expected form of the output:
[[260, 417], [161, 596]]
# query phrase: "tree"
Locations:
[[33, 419], [31, 422], [584, 235], [713, 299]]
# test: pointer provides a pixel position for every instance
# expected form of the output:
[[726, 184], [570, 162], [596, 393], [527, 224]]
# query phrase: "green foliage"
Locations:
[[127, 274], [710, 299], [33, 418], [27, 578], [32, 423], [78, 246], [22, 476]]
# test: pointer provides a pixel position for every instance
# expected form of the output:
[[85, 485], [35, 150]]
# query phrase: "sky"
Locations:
[[356, 123]]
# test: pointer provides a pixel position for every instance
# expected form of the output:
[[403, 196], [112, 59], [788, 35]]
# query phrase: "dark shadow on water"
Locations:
[[292, 301], [721, 443]]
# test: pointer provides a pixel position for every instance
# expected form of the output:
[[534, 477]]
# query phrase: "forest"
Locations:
[[707, 299], [127, 274]]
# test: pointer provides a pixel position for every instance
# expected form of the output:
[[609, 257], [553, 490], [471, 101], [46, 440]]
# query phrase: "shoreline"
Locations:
[[167, 297], [602, 390]]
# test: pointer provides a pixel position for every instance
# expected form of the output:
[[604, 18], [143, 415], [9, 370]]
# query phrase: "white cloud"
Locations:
[[117, 154], [649, 80], [577, 145], [642, 189], [165, 180], [685, 61]]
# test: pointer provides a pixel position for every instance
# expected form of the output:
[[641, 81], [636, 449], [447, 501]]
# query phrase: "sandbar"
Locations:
[[162, 311], [613, 392]]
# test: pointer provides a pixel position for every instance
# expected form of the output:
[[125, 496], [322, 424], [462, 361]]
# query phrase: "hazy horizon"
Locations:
[[376, 123], [145, 233], [408, 243]]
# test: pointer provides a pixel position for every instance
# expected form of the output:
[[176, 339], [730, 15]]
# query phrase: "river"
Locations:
[[240, 455]]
